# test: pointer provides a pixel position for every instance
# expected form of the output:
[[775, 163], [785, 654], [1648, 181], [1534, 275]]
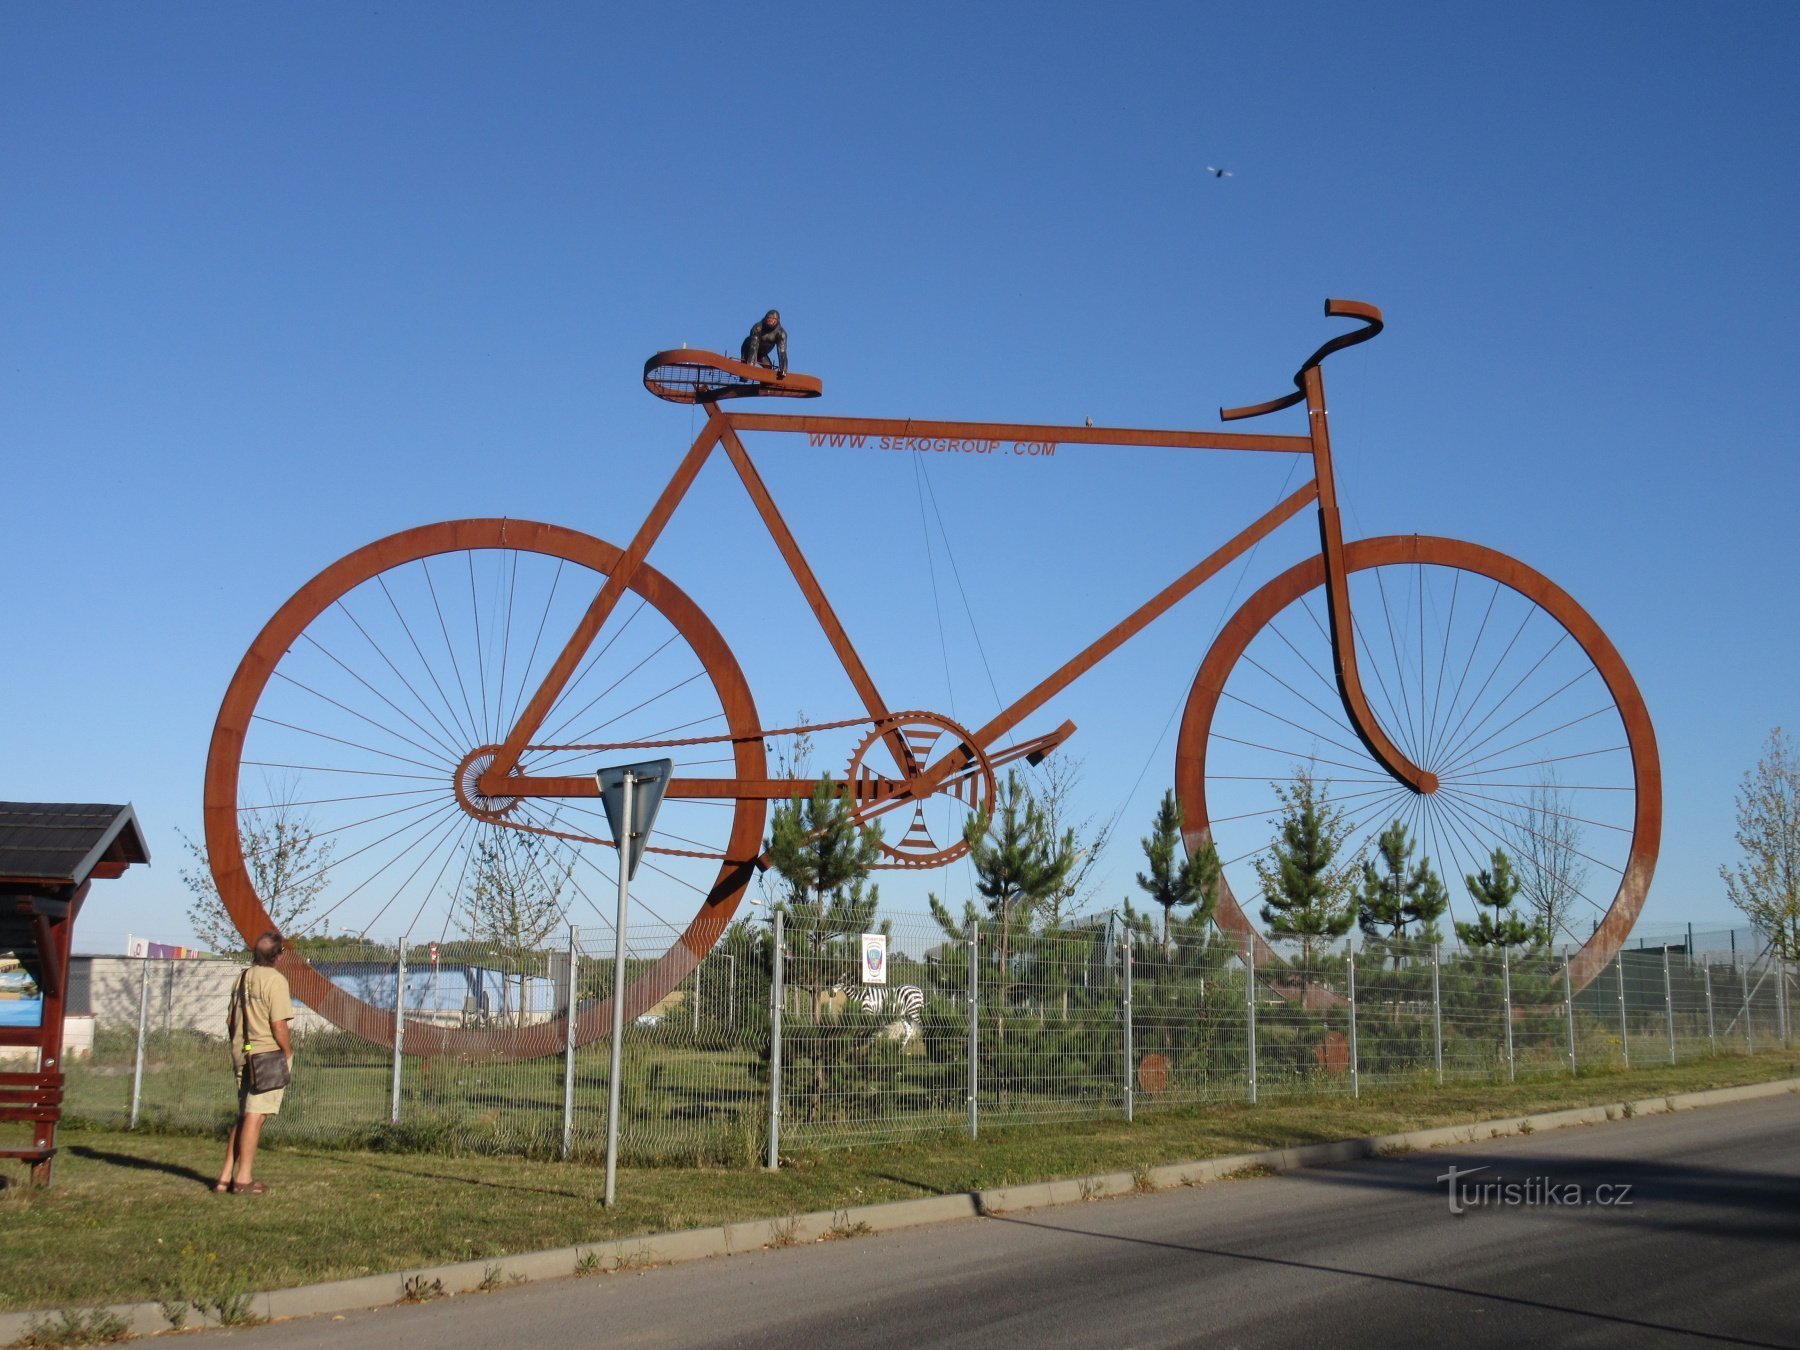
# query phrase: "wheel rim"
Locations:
[[393, 671], [1497, 679]]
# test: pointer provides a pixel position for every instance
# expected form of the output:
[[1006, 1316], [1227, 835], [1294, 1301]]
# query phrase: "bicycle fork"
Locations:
[[1337, 595]]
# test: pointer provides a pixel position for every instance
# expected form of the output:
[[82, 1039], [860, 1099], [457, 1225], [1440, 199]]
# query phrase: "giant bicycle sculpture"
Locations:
[[434, 706]]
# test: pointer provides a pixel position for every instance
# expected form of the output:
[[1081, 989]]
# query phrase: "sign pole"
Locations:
[[568, 1135], [618, 1008]]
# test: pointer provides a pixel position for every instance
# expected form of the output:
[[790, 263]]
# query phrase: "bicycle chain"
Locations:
[[752, 736], [766, 734]]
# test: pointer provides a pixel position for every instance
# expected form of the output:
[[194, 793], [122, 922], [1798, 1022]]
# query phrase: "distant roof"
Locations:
[[67, 842]]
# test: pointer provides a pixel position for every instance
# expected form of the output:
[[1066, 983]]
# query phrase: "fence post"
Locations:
[[137, 1065], [1127, 1029], [1749, 1035], [1669, 1003], [1712, 1031], [1624, 1028], [399, 1028], [1781, 1004], [569, 1004], [1350, 977], [1437, 1011], [1569, 1010], [974, 1028], [1506, 1010], [1250, 1006], [777, 996]]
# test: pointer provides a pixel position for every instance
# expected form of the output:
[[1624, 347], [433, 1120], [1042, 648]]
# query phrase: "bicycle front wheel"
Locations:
[[342, 785], [1486, 674]]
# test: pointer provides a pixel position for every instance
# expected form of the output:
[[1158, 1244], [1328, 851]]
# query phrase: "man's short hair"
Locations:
[[267, 948]]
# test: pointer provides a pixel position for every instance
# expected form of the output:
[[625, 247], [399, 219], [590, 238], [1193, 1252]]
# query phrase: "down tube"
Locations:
[[1147, 613]]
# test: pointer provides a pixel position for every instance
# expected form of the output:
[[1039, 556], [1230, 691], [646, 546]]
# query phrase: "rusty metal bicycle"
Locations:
[[456, 684]]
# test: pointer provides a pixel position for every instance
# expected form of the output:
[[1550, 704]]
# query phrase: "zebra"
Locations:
[[903, 1002]]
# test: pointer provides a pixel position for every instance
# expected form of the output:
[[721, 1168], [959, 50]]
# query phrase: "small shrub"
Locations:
[[637, 1258], [73, 1328], [418, 1289], [223, 1294], [841, 1227]]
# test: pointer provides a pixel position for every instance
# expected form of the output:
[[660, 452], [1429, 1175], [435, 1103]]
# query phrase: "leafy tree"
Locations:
[[1546, 843], [514, 899], [1304, 895], [1766, 883], [1495, 889], [287, 862], [1401, 901], [1057, 779], [1191, 883]]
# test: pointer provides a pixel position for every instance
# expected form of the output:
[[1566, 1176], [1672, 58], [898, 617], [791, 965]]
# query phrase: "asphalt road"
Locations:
[[1703, 1247]]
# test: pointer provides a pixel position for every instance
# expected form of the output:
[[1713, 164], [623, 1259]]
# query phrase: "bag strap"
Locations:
[[243, 999]]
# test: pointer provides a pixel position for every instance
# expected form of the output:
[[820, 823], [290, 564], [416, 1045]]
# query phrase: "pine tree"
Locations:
[[1494, 889], [1400, 894], [1192, 883], [1303, 895], [1020, 863], [823, 857]]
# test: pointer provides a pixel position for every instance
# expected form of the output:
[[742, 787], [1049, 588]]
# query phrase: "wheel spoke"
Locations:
[[345, 667], [1471, 768], [450, 649], [418, 651], [1458, 748], [1468, 664]]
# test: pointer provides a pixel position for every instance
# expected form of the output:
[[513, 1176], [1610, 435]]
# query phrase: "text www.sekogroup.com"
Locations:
[[933, 444]]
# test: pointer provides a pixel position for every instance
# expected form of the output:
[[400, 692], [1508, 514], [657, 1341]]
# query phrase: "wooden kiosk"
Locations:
[[50, 853]]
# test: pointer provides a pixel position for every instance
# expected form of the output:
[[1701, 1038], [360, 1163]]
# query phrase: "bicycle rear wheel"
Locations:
[[342, 779], [1485, 673]]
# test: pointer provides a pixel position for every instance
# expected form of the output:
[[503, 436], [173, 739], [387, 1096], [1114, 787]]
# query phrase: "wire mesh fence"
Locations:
[[775, 1040]]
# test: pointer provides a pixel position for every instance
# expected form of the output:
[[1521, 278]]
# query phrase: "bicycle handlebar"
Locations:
[[1334, 309]]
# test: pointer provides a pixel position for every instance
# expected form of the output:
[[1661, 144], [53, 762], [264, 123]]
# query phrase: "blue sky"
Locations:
[[280, 281]]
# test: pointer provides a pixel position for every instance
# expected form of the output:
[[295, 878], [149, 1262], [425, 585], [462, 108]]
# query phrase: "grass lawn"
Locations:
[[132, 1216]]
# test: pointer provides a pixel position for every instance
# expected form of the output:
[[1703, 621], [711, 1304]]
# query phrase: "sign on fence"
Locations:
[[874, 958]]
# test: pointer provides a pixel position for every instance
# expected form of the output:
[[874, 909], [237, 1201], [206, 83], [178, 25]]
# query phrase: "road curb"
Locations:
[[660, 1249]]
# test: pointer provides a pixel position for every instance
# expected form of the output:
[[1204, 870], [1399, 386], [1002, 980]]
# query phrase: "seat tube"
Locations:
[[1337, 594]]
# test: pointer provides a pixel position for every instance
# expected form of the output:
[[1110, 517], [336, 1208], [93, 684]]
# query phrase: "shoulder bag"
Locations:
[[267, 1070]]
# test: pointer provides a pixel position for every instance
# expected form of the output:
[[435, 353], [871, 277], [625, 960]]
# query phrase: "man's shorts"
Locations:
[[261, 1103]]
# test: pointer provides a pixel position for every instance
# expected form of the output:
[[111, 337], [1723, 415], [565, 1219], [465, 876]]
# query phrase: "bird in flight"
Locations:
[[1218, 172]]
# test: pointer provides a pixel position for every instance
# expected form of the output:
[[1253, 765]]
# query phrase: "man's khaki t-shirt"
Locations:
[[265, 1000]]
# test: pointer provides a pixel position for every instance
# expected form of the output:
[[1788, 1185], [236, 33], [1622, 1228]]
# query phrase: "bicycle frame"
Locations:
[[722, 429]]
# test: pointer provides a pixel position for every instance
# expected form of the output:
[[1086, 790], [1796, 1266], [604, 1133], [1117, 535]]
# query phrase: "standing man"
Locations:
[[258, 1025], [767, 335]]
